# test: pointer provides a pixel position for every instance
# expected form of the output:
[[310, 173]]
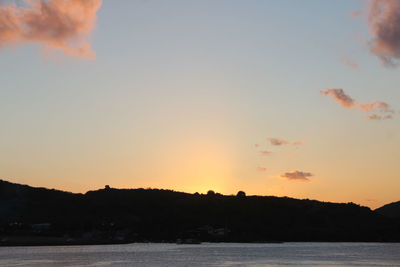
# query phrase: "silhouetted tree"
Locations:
[[241, 194], [210, 193], [135, 215]]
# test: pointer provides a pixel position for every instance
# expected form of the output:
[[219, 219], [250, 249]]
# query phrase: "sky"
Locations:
[[279, 97]]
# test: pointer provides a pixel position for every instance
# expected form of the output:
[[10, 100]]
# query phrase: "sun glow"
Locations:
[[205, 167]]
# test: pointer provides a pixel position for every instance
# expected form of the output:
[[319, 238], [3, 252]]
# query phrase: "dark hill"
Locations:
[[391, 210], [135, 215]]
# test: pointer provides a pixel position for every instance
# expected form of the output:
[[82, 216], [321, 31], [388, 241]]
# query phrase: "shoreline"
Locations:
[[57, 242]]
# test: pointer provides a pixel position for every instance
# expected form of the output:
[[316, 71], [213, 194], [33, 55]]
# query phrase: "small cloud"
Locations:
[[378, 117], [256, 145], [299, 143], [261, 169], [373, 117], [387, 117], [297, 175], [281, 142], [277, 142], [265, 152], [347, 102], [339, 96]]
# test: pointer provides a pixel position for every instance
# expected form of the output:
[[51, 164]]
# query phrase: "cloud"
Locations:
[[384, 24], [387, 117], [340, 96], [281, 142], [379, 117], [376, 106], [374, 117], [299, 143], [297, 175], [347, 102], [277, 142], [62, 25], [265, 152], [261, 169]]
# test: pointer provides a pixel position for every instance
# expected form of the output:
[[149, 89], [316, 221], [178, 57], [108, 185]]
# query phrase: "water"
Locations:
[[221, 254]]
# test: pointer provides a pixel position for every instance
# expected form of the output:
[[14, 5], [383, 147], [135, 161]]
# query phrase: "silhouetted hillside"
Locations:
[[391, 210], [135, 215]]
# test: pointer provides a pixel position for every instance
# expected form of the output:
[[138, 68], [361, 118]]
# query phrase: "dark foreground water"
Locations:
[[222, 254]]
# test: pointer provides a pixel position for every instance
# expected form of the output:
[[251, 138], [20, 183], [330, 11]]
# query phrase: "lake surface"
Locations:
[[206, 254]]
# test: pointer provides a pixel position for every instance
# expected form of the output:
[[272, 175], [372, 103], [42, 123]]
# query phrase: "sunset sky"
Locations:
[[281, 97]]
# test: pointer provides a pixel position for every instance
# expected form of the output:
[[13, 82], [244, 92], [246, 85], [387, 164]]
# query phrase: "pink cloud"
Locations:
[[347, 102], [340, 96], [374, 106], [384, 24], [62, 25]]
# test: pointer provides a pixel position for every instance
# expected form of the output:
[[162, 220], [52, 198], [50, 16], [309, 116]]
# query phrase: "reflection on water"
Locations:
[[222, 254]]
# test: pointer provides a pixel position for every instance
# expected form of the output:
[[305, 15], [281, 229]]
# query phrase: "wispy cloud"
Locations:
[[277, 141], [261, 169], [384, 24], [265, 152], [299, 143], [282, 142], [340, 96], [297, 175], [62, 25], [376, 106], [379, 117], [347, 102]]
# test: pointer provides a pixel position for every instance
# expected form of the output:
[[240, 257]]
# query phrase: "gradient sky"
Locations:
[[180, 93]]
